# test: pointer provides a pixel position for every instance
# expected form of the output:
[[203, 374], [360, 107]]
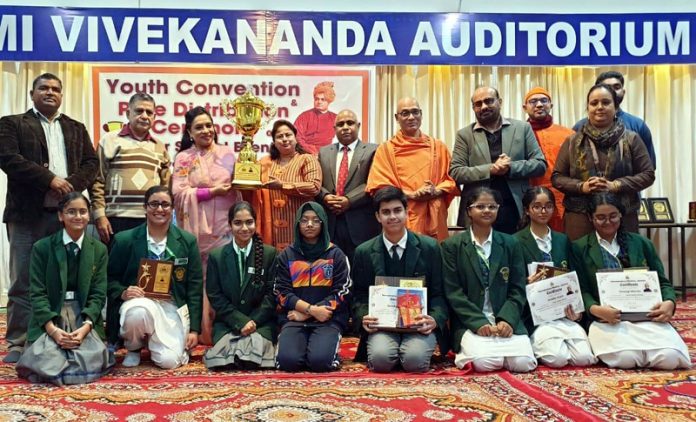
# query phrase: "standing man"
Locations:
[[345, 166], [398, 252], [45, 155], [498, 153], [130, 162], [633, 123], [417, 164], [538, 105]]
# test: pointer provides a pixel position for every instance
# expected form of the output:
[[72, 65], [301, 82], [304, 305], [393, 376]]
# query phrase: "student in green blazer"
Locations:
[[240, 291], [67, 275], [624, 344], [484, 279], [141, 321], [417, 256], [563, 341]]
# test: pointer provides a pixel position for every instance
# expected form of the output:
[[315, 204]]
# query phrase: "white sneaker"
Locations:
[[132, 359]]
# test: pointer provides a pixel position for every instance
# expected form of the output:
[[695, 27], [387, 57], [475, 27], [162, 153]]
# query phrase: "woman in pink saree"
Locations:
[[203, 193]]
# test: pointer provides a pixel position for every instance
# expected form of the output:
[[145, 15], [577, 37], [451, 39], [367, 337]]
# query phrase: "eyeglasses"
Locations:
[[546, 208], [153, 205], [484, 207], [415, 112], [542, 101], [72, 212], [306, 221], [487, 101], [601, 219]]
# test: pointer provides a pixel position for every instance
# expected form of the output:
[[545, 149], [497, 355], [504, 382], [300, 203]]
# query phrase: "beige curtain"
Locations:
[[665, 96]]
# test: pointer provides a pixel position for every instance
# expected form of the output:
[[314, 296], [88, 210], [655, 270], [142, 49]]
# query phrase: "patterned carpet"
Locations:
[[445, 393]]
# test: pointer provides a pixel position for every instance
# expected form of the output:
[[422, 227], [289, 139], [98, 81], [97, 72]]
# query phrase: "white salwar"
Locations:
[[562, 342], [157, 323], [639, 344], [492, 353]]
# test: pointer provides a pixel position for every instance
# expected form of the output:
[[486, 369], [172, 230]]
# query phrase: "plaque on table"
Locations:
[[643, 214], [692, 212], [660, 211], [155, 278]]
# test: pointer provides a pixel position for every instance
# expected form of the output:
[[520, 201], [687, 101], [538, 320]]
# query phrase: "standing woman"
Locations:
[[484, 283], [67, 273], [240, 289], [601, 157], [202, 188], [312, 283], [561, 342], [155, 323], [291, 176], [624, 344]]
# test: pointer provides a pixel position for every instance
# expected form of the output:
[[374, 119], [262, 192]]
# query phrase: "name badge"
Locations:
[[181, 261], [70, 295]]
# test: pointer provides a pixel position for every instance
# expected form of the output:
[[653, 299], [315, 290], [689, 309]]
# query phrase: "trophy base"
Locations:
[[247, 184]]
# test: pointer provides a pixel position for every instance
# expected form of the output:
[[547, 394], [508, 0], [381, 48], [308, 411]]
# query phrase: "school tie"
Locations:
[[394, 254], [72, 248], [342, 173], [241, 261]]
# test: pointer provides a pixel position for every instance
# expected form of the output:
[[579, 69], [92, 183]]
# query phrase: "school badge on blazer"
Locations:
[[179, 274], [505, 272]]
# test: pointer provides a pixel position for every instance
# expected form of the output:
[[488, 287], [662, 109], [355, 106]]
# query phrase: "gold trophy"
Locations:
[[247, 116]]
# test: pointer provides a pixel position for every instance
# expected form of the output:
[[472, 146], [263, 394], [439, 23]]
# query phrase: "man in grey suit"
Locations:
[[45, 154], [496, 152], [345, 166]]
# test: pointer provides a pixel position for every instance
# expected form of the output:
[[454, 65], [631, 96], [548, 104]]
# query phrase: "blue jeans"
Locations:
[[413, 351]]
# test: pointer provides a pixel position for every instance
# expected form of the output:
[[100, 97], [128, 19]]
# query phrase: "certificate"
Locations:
[[629, 291], [397, 307], [549, 297]]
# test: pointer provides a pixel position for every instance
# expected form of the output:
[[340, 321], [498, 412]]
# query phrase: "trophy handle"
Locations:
[[272, 111]]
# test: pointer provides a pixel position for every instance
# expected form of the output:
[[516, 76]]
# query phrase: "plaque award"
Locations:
[[246, 112], [660, 210], [692, 212], [155, 277]]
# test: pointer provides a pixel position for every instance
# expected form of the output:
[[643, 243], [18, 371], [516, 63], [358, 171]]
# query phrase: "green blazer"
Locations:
[[237, 301], [48, 278], [464, 287], [126, 251], [586, 258], [560, 248], [422, 258]]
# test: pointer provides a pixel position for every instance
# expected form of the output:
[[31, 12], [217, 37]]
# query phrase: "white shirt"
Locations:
[[243, 252], [67, 239], [485, 248], [339, 156], [57, 160], [543, 243], [156, 247], [611, 247], [400, 245]]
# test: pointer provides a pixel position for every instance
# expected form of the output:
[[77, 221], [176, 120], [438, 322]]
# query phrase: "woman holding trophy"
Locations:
[[203, 192]]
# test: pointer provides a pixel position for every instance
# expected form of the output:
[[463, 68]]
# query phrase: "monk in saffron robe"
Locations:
[[417, 164]]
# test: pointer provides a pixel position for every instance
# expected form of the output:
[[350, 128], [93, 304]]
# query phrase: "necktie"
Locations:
[[240, 260], [72, 248], [395, 254], [342, 173]]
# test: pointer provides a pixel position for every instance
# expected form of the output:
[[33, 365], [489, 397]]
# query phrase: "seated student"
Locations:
[[240, 290], [561, 342], [67, 276], [155, 323], [624, 344], [398, 252], [312, 284], [484, 279]]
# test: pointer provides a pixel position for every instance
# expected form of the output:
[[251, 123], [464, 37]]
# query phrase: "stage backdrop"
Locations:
[[176, 89]]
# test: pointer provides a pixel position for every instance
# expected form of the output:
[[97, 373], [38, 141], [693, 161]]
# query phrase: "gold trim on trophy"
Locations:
[[155, 278], [247, 117]]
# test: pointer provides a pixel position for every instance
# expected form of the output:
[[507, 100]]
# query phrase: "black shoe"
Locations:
[[12, 357]]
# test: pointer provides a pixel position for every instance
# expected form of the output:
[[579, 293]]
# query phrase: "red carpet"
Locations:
[[353, 394]]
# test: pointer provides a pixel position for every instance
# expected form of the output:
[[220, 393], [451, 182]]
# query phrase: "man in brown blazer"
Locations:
[[45, 155], [349, 208]]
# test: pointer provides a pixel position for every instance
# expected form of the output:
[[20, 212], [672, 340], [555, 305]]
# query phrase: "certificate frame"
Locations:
[[643, 214], [660, 210]]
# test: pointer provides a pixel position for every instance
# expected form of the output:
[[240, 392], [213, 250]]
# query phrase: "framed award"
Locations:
[[155, 277], [643, 214], [660, 211], [692, 212]]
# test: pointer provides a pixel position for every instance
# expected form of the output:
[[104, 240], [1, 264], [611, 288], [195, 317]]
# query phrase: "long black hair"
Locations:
[[606, 198], [530, 196], [257, 242], [186, 140]]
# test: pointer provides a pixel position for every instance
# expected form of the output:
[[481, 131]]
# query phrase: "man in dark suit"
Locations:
[[45, 155], [349, 208]]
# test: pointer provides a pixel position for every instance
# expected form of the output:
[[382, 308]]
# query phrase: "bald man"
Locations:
[[345, 166], [417, 164]]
